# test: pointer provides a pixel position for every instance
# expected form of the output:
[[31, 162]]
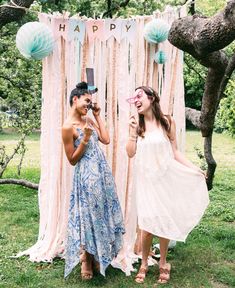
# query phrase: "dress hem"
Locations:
[[181, 239]]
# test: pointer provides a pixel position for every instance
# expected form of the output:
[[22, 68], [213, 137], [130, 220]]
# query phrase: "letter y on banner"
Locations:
[[129, 29]]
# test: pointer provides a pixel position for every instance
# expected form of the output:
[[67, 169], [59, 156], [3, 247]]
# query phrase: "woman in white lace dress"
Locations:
[[171, 192]]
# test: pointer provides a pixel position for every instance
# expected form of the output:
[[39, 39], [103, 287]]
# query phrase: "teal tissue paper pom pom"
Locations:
[[156, 31], [35, 40], [160, 57]]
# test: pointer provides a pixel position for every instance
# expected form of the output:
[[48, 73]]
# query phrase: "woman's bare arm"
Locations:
[[73, 154], [132, 140], [101, 130]]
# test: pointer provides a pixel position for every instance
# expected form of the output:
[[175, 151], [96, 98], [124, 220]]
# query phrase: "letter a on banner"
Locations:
[[76, 30]]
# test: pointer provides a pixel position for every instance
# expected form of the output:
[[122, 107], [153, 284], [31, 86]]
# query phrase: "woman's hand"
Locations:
[[202, 172], [96, 110], [133, 126], [132, 139], [87, 132]]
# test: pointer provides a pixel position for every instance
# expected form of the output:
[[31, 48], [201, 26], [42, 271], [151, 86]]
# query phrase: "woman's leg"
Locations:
[[164, 267], [138, 244], [146, 240], [163, 250], [86, 266]]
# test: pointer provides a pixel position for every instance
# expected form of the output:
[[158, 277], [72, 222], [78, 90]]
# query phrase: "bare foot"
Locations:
[[86, 267]]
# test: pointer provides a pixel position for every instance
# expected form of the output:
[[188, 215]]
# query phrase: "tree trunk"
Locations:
[[210, 161], [192, 8], [203, 38]]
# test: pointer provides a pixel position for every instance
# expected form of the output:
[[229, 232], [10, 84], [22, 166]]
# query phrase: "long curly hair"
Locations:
[[157, 112]]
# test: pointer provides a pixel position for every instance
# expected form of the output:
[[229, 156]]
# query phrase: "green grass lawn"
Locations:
[[207, 259]]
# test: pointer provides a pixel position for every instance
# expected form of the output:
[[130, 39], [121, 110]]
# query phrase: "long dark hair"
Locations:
[[157, 112]]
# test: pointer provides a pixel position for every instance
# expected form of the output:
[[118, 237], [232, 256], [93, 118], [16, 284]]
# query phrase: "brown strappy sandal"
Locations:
[[139, 278], [164, 276]]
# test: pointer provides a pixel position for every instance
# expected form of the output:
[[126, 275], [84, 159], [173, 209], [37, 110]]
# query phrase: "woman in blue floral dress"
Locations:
[[95, 224]]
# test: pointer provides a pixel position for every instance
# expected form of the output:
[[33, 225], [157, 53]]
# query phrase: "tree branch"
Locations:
[[192, 7], [192, 68], [193, 115], [109, 9], [8, 79], [115, 8], [14, 84], [21, 182], [10, 13], [227, 75], [201, 35], [9, 158]]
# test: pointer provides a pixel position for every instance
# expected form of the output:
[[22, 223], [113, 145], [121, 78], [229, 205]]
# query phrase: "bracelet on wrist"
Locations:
[[84, 142]]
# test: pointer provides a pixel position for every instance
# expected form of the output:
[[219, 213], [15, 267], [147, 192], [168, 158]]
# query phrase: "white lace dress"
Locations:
[[171, 198]]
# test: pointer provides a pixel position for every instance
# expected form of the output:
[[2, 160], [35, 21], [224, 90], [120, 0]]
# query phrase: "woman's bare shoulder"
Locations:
[[67, 126]]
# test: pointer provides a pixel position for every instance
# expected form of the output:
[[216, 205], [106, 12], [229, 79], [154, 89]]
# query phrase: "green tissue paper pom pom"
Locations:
[[35, 40], [156, 31], [160, 57]]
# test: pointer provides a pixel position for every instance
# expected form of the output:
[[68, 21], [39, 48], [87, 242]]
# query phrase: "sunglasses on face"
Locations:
[[135, 98], [90, 106]]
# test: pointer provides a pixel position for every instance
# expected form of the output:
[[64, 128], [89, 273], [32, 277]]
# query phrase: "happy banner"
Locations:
[[102, 29]]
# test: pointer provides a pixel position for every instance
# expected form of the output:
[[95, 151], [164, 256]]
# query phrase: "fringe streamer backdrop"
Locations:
[[120, 65]]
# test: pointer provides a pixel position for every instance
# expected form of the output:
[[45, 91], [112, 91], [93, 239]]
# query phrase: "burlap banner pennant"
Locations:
[[113, 27], [60, 25], [129, 30], [95, 29], [76, 30]]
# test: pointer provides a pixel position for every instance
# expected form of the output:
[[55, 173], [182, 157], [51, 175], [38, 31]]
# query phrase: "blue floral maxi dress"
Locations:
[[95, 221]]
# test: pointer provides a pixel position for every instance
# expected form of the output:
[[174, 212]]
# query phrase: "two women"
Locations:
[[171, 191]]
